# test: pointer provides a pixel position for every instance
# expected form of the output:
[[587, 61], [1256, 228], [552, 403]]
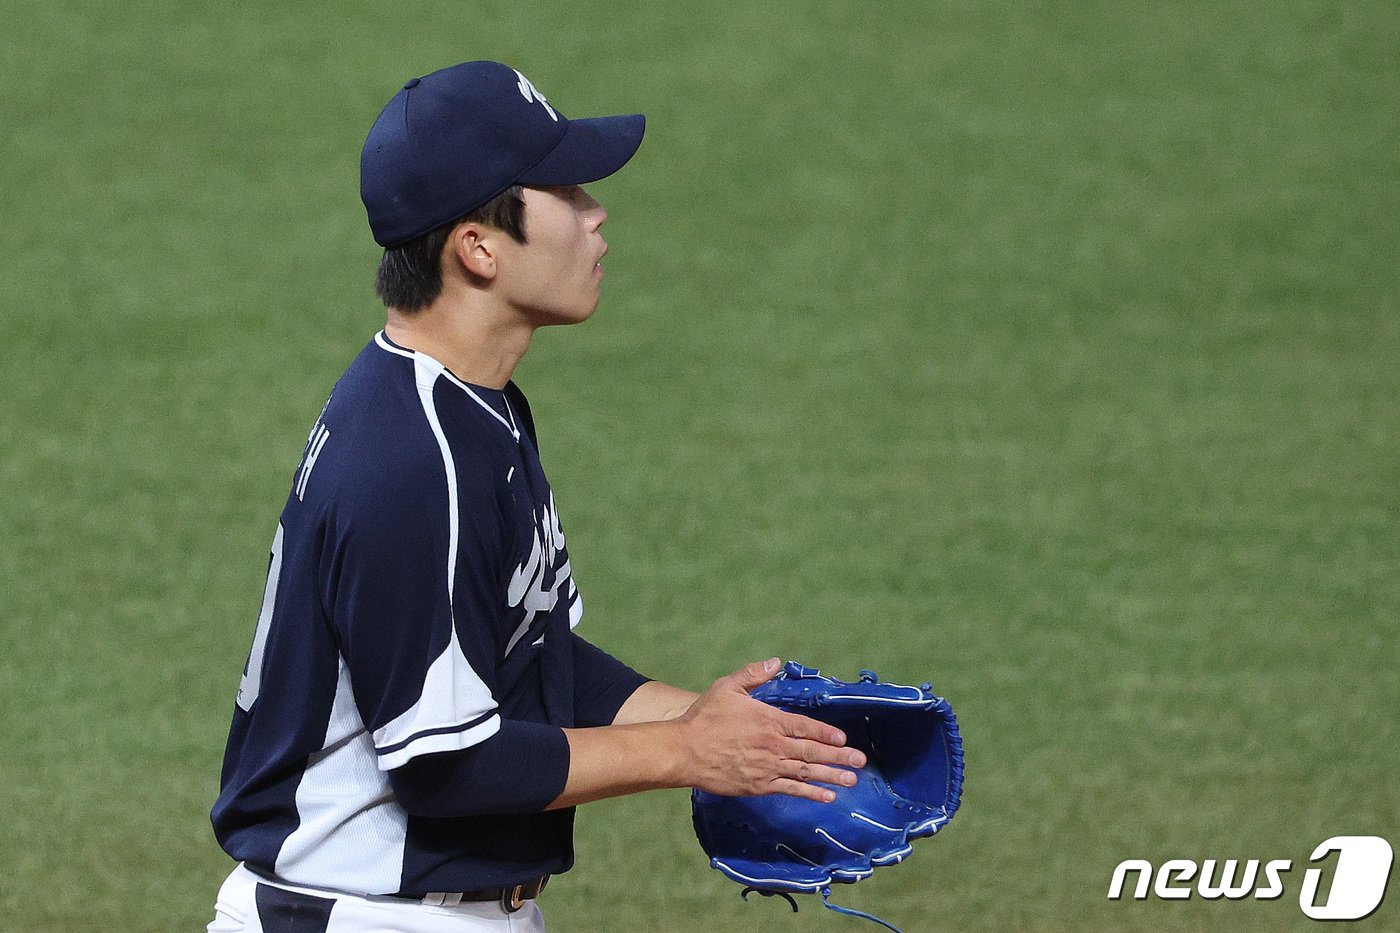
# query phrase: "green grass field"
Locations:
[[1046, 351]]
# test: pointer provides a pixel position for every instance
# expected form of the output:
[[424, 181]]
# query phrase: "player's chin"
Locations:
[[589, 304], [576, 315]]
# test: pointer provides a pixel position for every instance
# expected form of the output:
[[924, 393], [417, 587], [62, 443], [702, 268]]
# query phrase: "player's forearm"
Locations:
[[613, 761], [654, 701], [724, 742]]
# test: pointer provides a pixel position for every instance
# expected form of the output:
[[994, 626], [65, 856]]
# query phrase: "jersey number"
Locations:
[[252, 672]]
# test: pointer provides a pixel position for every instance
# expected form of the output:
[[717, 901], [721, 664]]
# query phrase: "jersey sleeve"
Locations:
[[602, 684], [408, 585]]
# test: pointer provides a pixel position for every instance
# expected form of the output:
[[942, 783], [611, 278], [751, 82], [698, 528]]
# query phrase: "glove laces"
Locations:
[[826, 902]]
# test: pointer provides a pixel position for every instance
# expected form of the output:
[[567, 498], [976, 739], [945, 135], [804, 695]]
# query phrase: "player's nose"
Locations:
[[593, 211]]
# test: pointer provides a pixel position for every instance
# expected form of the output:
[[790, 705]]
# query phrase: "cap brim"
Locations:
[[590, 149]]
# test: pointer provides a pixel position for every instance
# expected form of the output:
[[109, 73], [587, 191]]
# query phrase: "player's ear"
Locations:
[[473, 247]]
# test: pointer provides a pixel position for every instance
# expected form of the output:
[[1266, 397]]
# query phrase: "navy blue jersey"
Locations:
[[419, 594]]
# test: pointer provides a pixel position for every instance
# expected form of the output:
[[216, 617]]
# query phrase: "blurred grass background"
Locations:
[[1044, 350]]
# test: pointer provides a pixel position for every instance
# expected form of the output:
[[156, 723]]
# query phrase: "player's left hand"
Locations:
[[739, 747]]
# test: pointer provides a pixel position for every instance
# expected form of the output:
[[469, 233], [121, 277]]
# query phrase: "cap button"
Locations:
[[411, 83]]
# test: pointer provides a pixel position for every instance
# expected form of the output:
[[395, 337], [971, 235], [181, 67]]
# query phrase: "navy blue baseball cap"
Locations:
[[451, 141]]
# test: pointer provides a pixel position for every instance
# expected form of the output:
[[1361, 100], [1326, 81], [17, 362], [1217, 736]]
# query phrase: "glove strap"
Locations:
[[826, 895]]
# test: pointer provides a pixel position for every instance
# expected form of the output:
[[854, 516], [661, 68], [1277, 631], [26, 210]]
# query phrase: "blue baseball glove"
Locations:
[[910, 788]]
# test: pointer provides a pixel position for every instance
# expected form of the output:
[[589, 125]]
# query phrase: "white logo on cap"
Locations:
[[529, 92]]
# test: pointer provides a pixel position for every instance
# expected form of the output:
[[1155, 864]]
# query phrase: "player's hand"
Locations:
[[740, 747]]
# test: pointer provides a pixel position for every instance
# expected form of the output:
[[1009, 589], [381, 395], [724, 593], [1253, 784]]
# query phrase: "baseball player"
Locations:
[[418, 717]]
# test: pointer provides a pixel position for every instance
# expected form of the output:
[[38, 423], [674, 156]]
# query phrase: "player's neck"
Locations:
[[475, 344]]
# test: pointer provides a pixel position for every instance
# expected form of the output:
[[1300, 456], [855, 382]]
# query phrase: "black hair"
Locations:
[[410, 275]]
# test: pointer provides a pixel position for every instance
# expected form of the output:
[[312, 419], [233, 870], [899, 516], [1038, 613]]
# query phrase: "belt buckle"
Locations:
[[511, 901]]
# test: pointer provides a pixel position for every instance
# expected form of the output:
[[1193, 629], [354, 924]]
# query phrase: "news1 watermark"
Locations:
[[1358, 879]]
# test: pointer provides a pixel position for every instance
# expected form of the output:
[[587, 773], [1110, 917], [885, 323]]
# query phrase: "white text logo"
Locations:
[[530, 93], [1357, 888]]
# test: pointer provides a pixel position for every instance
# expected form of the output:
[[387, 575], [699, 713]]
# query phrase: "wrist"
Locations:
[[677, 755]]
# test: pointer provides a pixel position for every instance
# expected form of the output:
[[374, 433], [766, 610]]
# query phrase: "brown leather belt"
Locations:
[[512, 898]]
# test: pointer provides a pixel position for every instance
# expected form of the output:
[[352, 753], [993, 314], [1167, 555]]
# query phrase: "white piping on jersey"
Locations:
[[453, 693], [384, 344], [426, 378], [509, 425]]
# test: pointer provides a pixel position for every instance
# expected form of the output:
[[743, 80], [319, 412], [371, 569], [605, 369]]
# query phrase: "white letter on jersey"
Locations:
[[252, 673], [319, 435], [528, 91], [526, 587]]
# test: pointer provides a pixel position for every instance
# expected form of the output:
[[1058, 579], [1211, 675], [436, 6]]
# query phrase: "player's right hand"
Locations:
[[740, 747]]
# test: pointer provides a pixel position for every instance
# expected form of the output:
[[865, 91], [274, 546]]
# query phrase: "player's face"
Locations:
[[555, 275]]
